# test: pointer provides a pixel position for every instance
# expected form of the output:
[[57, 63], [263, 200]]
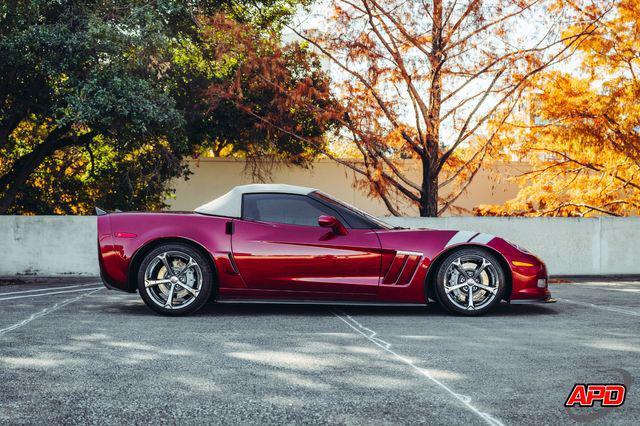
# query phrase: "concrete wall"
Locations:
[[59, 245], [48, 245], [569, 246]]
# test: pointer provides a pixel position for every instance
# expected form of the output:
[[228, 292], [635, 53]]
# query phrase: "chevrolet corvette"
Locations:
[[291, 244]]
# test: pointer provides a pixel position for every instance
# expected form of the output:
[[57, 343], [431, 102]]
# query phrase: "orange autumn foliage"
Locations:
[[583, 137]]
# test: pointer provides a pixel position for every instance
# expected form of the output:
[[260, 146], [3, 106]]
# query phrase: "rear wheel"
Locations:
[[470, 281], [175, 279]]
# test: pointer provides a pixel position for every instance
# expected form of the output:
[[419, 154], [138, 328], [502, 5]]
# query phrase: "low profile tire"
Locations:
[[470, 281], [175, 279]]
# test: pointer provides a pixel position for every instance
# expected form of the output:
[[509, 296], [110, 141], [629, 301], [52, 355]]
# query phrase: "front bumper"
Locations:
[[527, 301], [530, 283]]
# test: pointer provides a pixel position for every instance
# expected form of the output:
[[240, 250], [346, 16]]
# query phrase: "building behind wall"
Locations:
[[213, 177]]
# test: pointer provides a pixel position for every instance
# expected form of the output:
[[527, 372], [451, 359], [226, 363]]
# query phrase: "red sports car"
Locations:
[[287, 243]]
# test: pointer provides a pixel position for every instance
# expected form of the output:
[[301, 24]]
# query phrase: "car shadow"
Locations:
[[433, 309], [282, 309]]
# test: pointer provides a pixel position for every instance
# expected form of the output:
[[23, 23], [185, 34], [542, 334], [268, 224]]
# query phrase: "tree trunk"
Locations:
[[429, 193], [14, 180], [429, 187]]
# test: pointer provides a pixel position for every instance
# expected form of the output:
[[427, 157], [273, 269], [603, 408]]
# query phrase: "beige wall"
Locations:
[[213, 177]]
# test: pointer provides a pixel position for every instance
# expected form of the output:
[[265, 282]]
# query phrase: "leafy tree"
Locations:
[[584, 142], [268, 78], [434, 81], [101, 100]]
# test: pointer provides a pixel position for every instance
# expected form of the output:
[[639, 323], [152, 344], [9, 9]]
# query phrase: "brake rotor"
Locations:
[[187, 278], [462, 295]]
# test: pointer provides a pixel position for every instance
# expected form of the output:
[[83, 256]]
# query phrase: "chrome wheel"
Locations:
[[173, 280], [471, 282]]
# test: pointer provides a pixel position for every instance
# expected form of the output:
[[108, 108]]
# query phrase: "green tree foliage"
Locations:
[[100, 101]]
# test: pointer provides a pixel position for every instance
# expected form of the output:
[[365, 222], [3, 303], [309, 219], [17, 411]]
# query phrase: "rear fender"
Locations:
[[132, 235]]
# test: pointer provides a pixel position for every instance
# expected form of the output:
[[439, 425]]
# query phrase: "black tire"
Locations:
[[492, 278], [200, 275]]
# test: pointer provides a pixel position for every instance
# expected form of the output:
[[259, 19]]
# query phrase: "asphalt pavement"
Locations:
[[73, 352]]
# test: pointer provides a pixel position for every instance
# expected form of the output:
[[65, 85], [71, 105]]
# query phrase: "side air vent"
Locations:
[[402, 268]]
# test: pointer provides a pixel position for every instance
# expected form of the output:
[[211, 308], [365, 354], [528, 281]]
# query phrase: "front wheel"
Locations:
[[175, 279], [470, 281]]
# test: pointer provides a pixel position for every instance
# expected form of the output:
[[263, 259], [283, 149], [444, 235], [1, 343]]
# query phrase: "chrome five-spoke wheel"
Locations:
[[470, 281], [172, 279]]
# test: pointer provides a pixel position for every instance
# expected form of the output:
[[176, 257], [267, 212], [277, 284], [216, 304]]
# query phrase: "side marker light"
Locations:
[[125, 235], [518, 263]]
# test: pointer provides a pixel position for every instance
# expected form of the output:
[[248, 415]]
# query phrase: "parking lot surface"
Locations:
[[73, 352]]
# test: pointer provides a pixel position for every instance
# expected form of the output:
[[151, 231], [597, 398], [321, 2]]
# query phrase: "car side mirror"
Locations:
[[327, 221]]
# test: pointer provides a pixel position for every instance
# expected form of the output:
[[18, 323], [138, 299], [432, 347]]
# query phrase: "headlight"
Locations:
[[519, 247]]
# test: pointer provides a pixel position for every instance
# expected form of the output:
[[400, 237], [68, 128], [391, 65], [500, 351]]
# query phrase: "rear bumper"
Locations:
[[105, 249], [105, 280], [110, 285]]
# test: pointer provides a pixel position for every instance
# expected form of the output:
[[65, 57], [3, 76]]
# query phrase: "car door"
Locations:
[[278, 245]]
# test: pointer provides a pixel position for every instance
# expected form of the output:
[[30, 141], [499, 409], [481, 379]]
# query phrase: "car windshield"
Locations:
[[356, 211]]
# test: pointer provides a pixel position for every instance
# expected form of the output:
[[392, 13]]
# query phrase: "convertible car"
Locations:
[[284, 243]]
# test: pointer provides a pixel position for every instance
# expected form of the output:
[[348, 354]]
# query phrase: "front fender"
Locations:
[[523, 269]]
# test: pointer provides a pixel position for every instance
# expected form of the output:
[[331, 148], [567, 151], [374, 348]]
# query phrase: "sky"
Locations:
[[521, 34]]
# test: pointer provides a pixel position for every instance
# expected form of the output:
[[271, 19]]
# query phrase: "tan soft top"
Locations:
[[230, 204]]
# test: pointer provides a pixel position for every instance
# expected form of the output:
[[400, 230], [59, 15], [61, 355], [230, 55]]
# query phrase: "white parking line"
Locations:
[[604, 308], [612, 287], [47, 289], [45, 312], [371, 335], [48, 294]]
